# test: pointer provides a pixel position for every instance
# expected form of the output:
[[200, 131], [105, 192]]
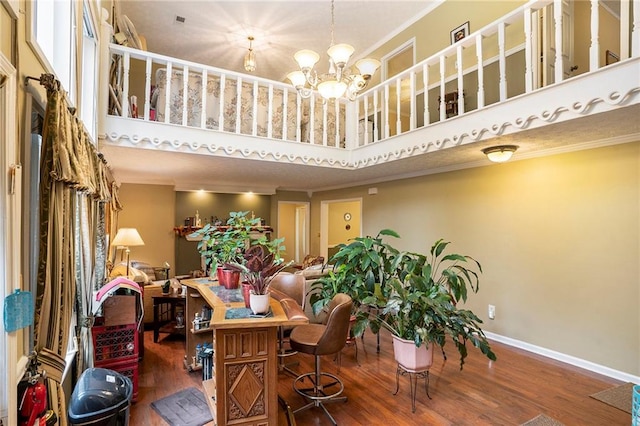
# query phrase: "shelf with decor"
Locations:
[[187, 231]]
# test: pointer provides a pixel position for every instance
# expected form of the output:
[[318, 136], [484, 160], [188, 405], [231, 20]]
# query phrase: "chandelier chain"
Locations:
[[333, 22]]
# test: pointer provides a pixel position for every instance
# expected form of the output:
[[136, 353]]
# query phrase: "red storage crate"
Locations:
[[126, 368], [115, 343]]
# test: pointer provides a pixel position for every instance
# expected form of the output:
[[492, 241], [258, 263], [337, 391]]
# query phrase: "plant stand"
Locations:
[[413, 380]]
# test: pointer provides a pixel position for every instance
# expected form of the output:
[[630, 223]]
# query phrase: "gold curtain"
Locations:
[[77, 196]]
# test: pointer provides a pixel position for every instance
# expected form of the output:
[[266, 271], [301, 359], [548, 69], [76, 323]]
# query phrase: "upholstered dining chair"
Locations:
[[286, 288], [319, 340]]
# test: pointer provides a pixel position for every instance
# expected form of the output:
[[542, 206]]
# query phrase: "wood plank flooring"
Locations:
[[510, 391]]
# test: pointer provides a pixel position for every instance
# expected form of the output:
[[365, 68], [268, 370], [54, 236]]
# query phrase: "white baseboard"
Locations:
[[578, 362]]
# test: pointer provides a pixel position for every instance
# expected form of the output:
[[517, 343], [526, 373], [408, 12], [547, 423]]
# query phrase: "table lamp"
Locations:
[[125, 238]]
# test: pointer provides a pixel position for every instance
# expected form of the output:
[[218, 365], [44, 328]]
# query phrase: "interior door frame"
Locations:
[[301, 230], [324, 222]]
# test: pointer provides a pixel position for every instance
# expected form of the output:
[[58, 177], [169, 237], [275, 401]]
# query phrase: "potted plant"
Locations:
[[422, 304], [221, 245], [261, 263], [362, 270]]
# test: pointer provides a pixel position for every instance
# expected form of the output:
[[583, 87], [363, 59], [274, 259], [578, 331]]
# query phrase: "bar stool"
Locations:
[[318, 340], [292, 287]]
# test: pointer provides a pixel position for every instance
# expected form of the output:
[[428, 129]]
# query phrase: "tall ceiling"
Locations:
[[215, 32]]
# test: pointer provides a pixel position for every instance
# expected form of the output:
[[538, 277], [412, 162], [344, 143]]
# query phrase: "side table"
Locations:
[[164, 314]]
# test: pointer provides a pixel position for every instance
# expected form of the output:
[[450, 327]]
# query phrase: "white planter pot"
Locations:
[[412, 358], [259, 303]]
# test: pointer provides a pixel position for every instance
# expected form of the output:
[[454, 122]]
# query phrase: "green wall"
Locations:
[[558, 238], [207, 205]]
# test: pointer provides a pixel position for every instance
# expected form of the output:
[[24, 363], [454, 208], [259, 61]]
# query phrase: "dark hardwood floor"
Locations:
[[510, 391]]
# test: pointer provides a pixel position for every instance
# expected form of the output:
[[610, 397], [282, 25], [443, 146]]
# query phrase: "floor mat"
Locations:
[[185, 408], [618, 396], [542, 420]]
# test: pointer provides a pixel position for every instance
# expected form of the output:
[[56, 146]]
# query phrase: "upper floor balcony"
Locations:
[[533, 74]]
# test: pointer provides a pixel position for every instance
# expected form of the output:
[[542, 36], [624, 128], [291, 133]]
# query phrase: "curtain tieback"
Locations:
[[87, 321]]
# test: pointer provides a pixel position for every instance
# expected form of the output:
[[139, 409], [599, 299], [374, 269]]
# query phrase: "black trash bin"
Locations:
[[102, 397]]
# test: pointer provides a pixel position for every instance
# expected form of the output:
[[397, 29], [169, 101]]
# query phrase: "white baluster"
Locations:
[[425, 85], [528, 53], [203, 110], [460, 79], [167, 92], [594, 49], [270, 112], [223, 85], [502, 61], [398, 112], [557, 19], [238, 104], [625, 6], [254, 109], [147, 89], [386, 110], [443, 105], [412, 93], [185, 95], [125, 86], [375, 116]]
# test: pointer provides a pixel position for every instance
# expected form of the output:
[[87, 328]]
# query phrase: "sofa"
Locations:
[[312, 274], [151, 278]]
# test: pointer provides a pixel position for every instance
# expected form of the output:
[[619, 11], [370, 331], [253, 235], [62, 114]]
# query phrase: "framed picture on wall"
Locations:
[[460, 32]]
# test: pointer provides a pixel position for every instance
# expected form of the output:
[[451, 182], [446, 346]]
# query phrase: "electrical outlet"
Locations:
[[492, 312]]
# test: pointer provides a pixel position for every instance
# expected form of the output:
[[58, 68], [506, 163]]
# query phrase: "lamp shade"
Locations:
[[250, 61], [367, 66], [340, 53], [332, 89], [500, 153], [297, 78], [127, 237], [306, 59]]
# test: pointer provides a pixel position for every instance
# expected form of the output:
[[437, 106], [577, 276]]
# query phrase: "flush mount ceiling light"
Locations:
[[500, 153], [339, 81], [250, 57]]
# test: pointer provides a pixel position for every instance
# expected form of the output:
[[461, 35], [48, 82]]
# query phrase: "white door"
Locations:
[[550, 46]]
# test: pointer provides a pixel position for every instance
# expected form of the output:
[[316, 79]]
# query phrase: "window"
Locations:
[[89, 73], [52, 37]]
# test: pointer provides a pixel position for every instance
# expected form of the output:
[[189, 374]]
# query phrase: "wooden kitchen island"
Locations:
[[243, 389]]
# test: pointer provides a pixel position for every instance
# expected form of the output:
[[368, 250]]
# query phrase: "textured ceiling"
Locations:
[[215, 32]]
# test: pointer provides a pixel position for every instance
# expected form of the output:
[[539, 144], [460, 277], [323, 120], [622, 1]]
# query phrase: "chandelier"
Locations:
[[250, 57], [339, 81]]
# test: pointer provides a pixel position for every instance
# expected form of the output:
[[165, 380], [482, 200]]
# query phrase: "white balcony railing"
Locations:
[[512, 56]]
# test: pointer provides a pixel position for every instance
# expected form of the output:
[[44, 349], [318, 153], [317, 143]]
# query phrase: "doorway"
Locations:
[[340, 222], [293, 226]]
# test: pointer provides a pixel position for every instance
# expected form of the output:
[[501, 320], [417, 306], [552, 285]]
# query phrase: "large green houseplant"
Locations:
[[361, 269], [422, 304], [414, 296]]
